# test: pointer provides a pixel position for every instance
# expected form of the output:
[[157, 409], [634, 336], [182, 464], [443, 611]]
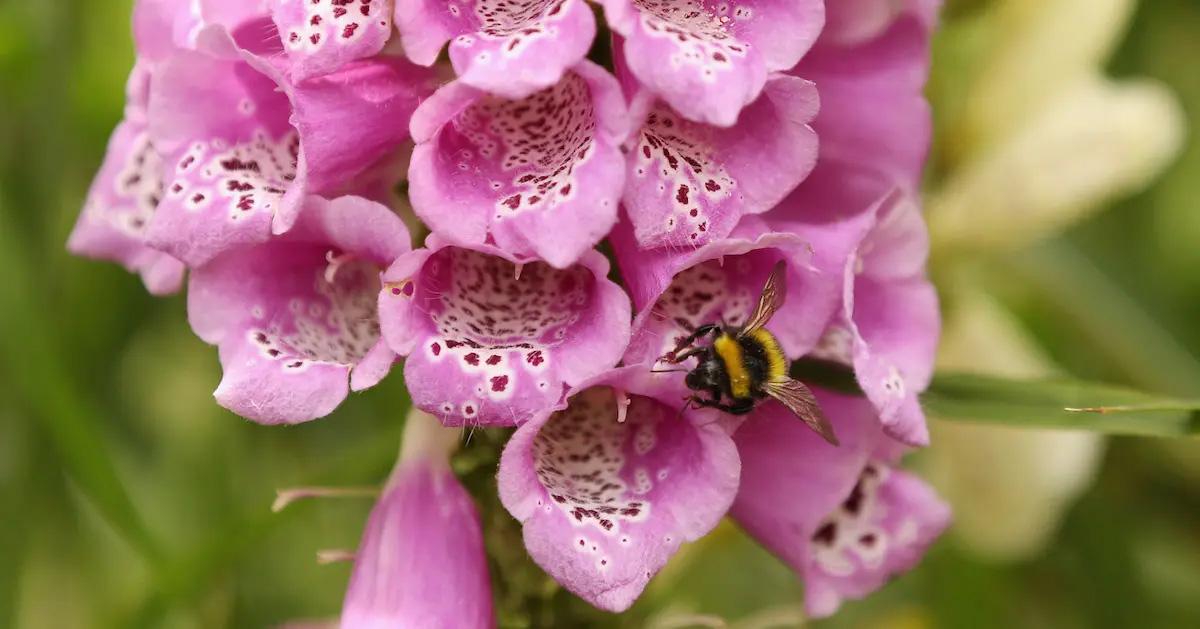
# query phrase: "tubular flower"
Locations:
[[421, 562], [842, 517], [677, 292], [295, 317], [122, 202], [242, 157], [541, 175], [746, 164], [610, 483], [689, 183], [492, 339], [886, 325]]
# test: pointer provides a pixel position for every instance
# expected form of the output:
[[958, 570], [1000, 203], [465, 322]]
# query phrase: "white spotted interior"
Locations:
[[338, 325], [515, 23], [680, 155], [249, 177], [580, 458], [540, 143], [339, 21], [138, 186], [493, 317], [836, 344], [703, 33], [706, 293], [854, 535]]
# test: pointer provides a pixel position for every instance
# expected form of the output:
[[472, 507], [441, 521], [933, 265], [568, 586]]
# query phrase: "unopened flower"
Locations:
[[511, 49], [542, 175], [709, 61], [492, 339], [421, 562], [610, 483], [295, 317]]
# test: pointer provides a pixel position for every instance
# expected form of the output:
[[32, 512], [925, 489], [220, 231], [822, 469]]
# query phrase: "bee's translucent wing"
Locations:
[[773, 295], [800, 401]]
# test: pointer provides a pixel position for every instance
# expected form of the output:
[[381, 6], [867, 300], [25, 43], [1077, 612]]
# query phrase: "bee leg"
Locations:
[[732, 409], [700, 332]]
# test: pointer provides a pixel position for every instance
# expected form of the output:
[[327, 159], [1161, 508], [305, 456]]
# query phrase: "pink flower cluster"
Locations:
[[260, 149]]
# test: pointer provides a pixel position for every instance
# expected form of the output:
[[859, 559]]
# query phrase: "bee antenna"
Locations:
[[668, 371]]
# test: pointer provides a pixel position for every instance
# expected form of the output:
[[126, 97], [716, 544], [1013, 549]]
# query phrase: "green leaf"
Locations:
[[1050, 403], [1060, 403]]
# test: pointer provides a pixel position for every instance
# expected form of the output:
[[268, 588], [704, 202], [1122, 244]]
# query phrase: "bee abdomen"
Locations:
[[762, 346]]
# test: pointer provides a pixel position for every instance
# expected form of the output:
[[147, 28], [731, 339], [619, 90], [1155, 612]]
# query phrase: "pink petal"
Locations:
[[709, 62], [690, 183], [296, 316], [511, 50], [857, 551], [873, 110], [119, 206], [320, 36], [540, 175], [839, 516], [864, 228], [493, 341], [675, 291], [421, 562], [162, 26], [894, 327], [351, 119], [605, 503], [232, 159]]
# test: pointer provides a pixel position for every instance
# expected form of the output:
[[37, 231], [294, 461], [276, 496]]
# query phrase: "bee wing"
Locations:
[[800, 401], [773, 294]]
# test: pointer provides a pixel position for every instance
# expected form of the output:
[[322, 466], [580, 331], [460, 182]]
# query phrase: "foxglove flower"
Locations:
[[676, 292], [842, 517], [709, 61], [511, 49], [887, 323], [492, 339], [689, 183], [610, 483], [421, 562], [541, 176], [129, 185], [294, 317], [863, 193], [121, 203], [242, 156]]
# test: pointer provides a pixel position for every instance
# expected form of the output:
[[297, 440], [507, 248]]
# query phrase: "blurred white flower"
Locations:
[[1008, 486], [1042, 139]]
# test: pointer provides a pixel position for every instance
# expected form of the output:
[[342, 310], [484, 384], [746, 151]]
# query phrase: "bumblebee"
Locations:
[[743, 366]]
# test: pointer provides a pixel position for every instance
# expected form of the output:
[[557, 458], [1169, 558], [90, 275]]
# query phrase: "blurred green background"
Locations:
[[128, 498]]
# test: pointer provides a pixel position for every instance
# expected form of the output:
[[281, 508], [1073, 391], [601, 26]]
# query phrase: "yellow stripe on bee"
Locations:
[[777, 364], [730, 353]]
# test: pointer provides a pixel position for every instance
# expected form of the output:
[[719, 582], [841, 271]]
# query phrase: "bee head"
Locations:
[[704, 377]]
